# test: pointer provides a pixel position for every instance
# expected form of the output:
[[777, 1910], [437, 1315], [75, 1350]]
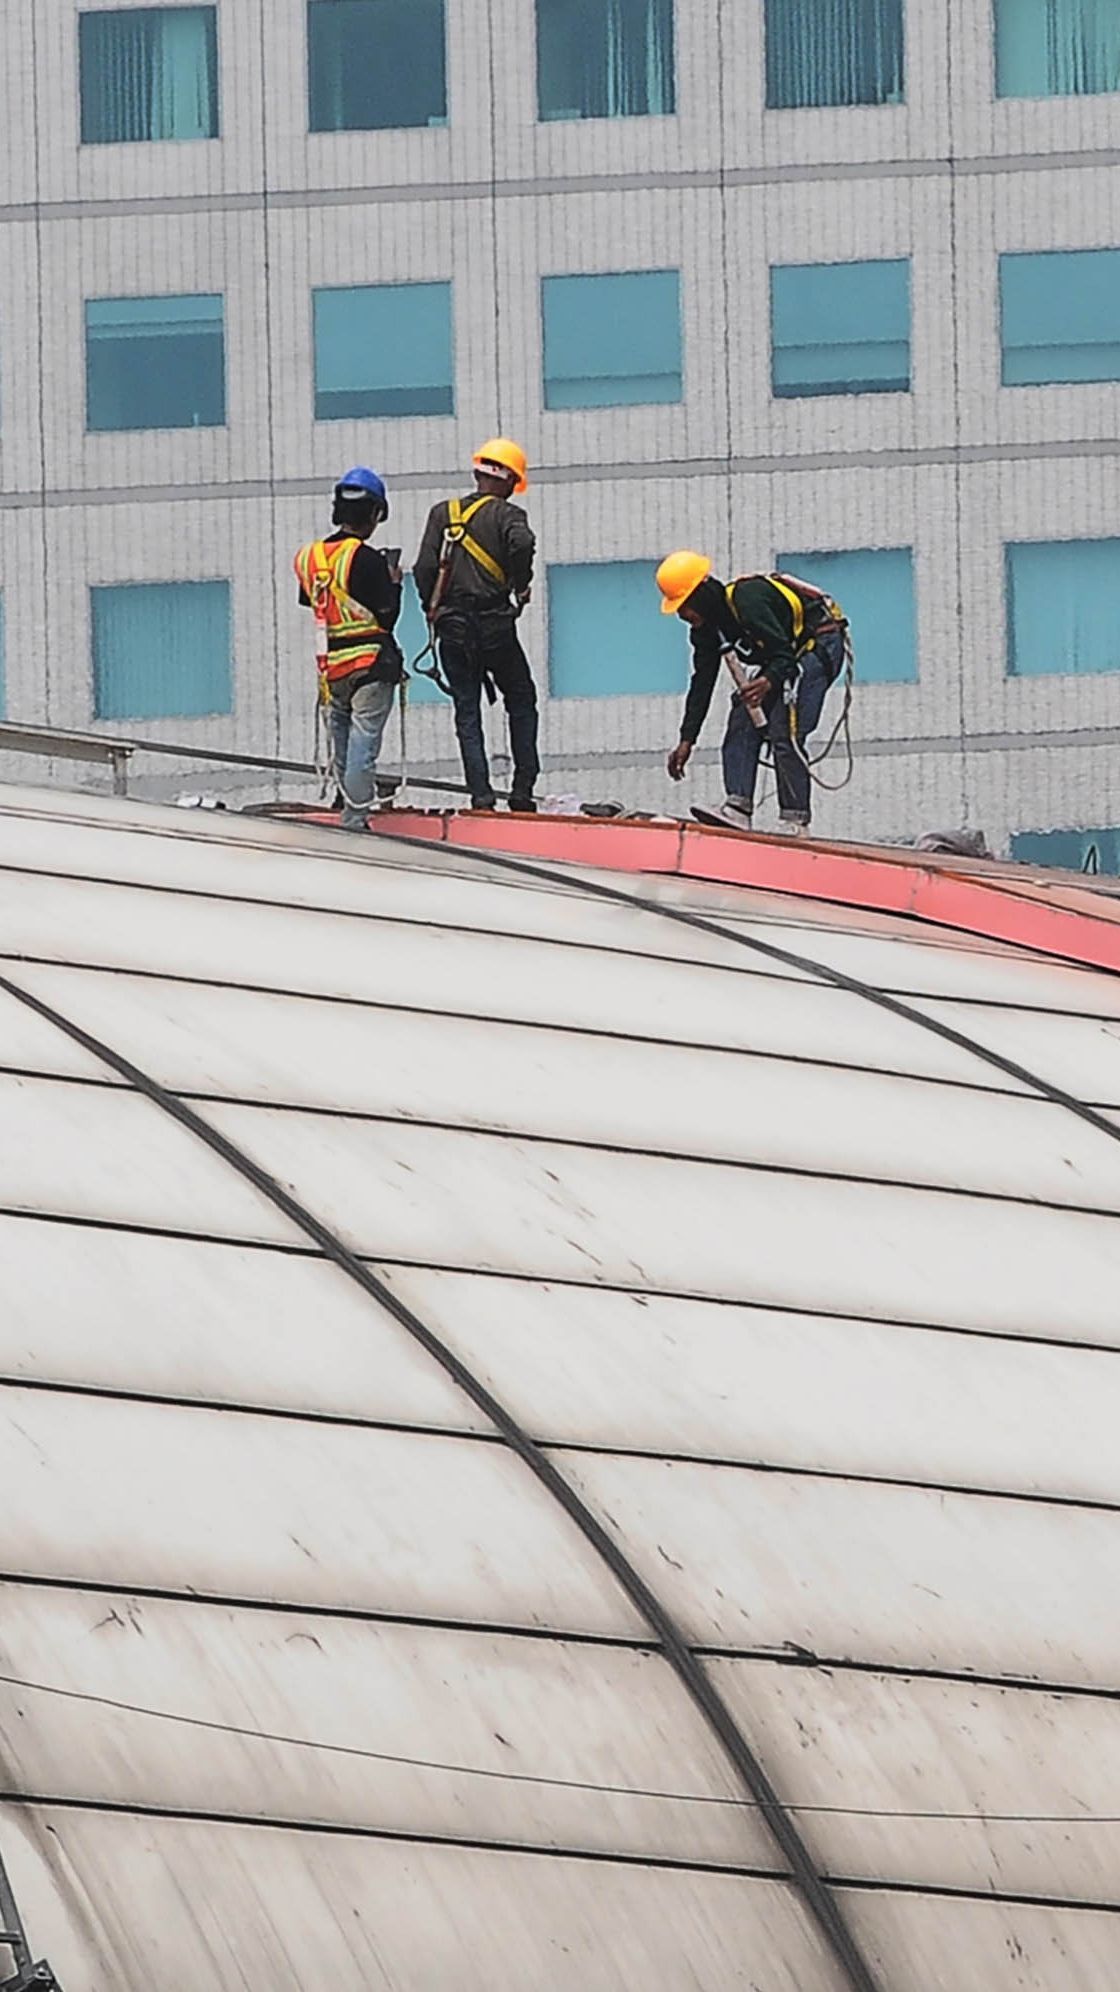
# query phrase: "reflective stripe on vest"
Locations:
[[348, 637], [458, 519]]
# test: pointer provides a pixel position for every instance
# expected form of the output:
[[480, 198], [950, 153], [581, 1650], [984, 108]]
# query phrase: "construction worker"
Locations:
[[771, 622], [355, 595], [473, 574]]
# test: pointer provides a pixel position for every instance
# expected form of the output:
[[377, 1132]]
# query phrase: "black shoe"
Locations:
[[522, 805], [484, 802]]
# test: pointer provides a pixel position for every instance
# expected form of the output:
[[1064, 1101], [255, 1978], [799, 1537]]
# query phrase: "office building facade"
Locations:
[[805, 282]]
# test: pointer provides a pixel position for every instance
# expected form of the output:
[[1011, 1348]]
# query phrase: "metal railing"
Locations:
[[115, 752]]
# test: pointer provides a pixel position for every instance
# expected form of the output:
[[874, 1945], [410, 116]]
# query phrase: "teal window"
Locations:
[[605, 58], [840, 328], [612, 341], [161, 651], [376, 65], [834, 52], [147, 73], [605, 637], [1061, 607], [1060, 316], [1057, 48], [875, 589], [1090, 851], [412, 635], [383, 349], [155, 363]]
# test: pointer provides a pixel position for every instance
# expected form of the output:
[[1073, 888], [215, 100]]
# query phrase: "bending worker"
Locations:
[[355, 595], [473, 574], [771, 622]]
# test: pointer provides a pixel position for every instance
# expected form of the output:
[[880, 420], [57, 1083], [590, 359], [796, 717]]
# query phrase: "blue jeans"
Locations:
[[471, 648], [743, 740], [742, 747], [355, 723]]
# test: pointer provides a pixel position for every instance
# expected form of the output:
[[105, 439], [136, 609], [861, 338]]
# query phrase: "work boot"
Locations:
[[484, 802], [737, 811], [792, 829], [522, 805]]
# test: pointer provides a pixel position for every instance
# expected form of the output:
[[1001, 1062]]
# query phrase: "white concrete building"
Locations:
[[161, 192]]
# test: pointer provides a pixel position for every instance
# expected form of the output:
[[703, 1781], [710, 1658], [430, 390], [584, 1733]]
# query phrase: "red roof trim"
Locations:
[[1048, 912]]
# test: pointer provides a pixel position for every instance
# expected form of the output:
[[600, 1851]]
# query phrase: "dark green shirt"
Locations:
[[765, 621]]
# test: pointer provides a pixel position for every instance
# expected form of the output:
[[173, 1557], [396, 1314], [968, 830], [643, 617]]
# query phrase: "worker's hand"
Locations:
[[756, 691], [524, 599], [678, 759], [396, 573]]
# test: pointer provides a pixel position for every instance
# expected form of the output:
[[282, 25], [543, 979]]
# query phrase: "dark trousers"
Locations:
[[471, 648], [742, 745]]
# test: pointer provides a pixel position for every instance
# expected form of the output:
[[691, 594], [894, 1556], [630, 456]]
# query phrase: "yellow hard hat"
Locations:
[[509, 455], [678, 576]]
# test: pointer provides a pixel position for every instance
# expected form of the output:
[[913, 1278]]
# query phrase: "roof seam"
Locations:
[[226, 1242], [820, 1905], [581, 1448]]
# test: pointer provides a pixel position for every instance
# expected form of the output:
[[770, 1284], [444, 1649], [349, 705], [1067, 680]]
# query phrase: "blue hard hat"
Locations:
[[360, 479]]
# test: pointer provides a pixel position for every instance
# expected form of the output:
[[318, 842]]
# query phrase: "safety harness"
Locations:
[[456, 535], [815, 614]]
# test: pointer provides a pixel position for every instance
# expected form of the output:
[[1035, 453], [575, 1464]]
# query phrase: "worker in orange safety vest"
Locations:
[[354, 593]]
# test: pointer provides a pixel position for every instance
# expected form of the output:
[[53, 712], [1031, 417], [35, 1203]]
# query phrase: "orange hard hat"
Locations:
[[508, 456], [678, 577]]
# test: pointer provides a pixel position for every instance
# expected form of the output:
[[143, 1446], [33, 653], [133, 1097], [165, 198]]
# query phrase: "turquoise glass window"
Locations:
[[383, 349], [875, 589], [1061, 607], [376, 65], [155, 363], [161, 650], [612, 341], [605, 58], [840, 328], [1090, 851], [148, 73], [605, 636], [834, 52], [1060, 315], [412, 635], [1057, 48]]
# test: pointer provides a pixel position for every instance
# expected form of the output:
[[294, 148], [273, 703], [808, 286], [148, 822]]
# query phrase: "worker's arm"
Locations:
[[519, 546], [706, 651], [769, 619], [371, 583], [706, 647], [426, 565]]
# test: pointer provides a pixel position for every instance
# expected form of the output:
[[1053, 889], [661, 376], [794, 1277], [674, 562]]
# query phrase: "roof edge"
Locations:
[[1048, 912]]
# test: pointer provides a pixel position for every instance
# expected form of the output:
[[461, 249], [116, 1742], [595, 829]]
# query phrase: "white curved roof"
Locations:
[[306, 1675]]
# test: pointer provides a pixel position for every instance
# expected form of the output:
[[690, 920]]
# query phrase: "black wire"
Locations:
[[534, 1778], [807, 965], [679, 1654]]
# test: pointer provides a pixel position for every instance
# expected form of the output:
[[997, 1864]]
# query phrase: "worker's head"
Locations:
[[684, 579], [500, 468], [360, 502]]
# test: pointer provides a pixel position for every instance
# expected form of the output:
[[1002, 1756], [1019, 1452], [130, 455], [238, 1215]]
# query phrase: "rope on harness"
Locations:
[[842, 728]]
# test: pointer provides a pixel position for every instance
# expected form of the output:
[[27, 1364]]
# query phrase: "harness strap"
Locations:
[[456, 534], [796, 604]]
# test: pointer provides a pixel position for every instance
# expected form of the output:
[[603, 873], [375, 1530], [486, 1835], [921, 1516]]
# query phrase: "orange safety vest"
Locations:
[[347, 637]]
